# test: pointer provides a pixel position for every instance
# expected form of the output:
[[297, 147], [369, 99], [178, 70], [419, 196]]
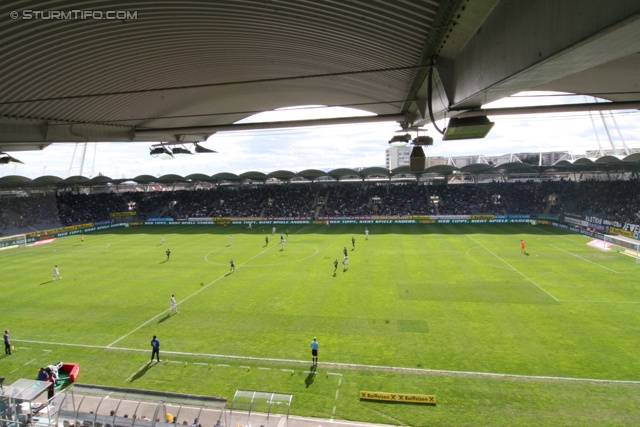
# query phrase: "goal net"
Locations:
[[624, 245], [13, 241]]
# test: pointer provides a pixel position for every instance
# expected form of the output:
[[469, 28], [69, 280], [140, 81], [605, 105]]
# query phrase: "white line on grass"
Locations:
[[598, 301], [187, 298], [20, 367], [343, 365], [584, 259], [482, 262], [514, 269]]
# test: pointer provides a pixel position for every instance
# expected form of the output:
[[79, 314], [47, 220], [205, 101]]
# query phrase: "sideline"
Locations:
[[349, 365]]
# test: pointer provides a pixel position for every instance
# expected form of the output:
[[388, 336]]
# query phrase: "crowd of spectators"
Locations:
[[613, 200], [37, 211], [496, 198], [289, 202]]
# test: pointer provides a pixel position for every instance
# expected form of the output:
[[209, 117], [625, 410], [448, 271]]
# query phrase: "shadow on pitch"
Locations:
[[47, 282], [143, 371], [311, 377], [164, 319]]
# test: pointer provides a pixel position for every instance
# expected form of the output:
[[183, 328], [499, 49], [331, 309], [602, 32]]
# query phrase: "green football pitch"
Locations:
[[547, 337]]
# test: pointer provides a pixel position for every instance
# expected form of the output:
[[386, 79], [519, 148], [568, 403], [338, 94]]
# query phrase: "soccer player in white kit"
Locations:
[[56, 273], [366, 233], [174, 306], [230, 240]]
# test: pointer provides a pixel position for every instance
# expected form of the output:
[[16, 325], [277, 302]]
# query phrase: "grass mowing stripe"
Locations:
[[418, 311]]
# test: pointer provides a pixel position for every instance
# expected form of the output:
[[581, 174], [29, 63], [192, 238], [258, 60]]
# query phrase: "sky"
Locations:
[[331, 147]]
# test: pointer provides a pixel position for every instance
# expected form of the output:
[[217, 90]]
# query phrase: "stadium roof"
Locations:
[[603, 164], [181, 71]]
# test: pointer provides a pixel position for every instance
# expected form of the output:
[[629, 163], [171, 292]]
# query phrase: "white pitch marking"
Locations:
[[163, 313], [185, 299], [482, 262], [337, 392], [603, 302], [349, 365], [514, 269], [265, 369], [20, 367], [584, 259]]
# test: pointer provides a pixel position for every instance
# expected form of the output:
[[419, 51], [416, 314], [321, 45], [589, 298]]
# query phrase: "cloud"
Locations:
[[330, 147]]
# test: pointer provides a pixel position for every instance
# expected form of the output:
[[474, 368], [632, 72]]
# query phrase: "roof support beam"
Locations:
[[272, 125], [522, 45], [547, 109]]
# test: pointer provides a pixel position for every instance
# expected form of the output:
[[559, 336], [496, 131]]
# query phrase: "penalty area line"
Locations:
[[514, 269], [584, 259]]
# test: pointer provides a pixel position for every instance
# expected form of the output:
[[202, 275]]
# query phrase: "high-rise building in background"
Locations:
[[397, 156]]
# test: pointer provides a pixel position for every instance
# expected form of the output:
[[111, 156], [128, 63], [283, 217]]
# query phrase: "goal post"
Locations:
[[624, 245], [17, 240]]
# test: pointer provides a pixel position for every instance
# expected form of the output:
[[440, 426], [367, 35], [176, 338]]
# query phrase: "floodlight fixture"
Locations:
[[400, 138], [180, 150], [157, 150], [200, 149], [467, 128], [5, 159], [423, 140]]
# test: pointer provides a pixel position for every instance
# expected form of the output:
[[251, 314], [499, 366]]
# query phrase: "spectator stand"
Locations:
[[25, 403], [101, 406], [264, 408]]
